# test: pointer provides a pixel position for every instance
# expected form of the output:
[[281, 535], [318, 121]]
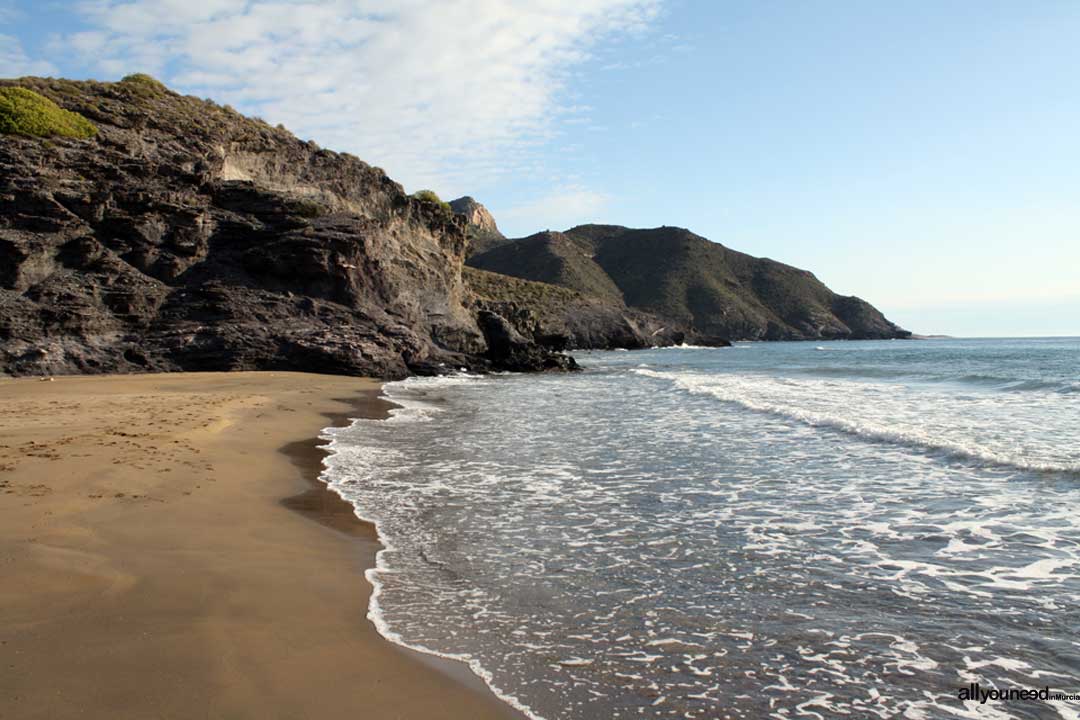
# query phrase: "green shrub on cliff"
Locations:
[[144, 80], [24, 112], [143, 86], [432, 197]]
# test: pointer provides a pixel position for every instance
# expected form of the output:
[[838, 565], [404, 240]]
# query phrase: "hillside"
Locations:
[[524, 273], [698, 286], [560, 318], [551, 257], [142, 230]]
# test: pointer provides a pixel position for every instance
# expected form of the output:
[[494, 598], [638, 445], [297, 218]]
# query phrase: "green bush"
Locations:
[[143, 87], [24, 112], [144, 80], [431, 196]]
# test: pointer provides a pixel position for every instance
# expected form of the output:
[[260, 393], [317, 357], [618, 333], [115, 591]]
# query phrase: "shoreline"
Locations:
[[322, 504], [151, 571]]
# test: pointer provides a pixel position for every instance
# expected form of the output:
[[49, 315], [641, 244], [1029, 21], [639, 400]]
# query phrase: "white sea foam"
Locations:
[[407, 410], [591, 543], [685, 346], [873, 412]]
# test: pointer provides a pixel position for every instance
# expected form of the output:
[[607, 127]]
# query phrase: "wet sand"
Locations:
[[166, 552]]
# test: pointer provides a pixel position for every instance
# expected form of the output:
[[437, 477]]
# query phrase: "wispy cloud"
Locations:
[[14, 61], [447, 94], [562, 208]]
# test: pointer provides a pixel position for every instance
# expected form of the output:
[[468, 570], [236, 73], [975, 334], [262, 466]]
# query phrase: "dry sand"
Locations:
[[151, 567]]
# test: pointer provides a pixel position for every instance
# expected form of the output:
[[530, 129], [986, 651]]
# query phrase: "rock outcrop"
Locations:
[[513, 348], [559, 318], [184, 236], [480, 225]]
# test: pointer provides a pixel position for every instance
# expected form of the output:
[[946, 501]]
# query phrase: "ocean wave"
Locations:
[[1015, 384], [777, 397], [684, 346], [1004, 383]]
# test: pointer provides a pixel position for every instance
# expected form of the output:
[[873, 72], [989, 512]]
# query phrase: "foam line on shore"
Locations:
[[405, 411]]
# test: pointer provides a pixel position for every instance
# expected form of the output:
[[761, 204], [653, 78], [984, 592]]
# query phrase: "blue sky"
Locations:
[[922, 155]]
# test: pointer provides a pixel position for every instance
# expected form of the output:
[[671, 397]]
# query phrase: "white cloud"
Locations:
[[15, 63], [561, 209], [448, 94]]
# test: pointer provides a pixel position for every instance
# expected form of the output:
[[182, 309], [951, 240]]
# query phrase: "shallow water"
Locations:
[[778, 530]]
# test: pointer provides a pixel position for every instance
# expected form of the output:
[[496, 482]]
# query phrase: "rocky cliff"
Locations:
[[180, 235], [142, 230], [689, 285]]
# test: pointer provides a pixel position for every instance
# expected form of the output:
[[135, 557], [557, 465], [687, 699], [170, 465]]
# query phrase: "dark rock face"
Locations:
[[510, 350], [688, 285], [184, 236]]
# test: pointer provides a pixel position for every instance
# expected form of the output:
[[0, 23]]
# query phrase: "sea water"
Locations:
[[785, 530]]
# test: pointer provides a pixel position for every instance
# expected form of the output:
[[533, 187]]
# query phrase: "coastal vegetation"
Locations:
[[430, 196], [145, 84], [25, 112]]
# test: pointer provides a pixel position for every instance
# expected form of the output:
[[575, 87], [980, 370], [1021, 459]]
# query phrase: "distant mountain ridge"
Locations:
[[695, 287]]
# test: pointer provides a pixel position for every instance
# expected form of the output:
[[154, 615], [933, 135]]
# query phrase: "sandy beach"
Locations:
[[165, 553]]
